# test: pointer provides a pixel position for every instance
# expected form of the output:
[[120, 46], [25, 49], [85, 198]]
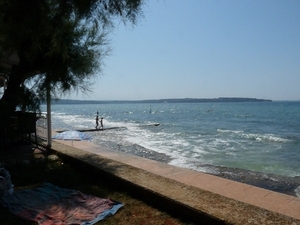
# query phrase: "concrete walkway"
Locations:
[[227, 190]]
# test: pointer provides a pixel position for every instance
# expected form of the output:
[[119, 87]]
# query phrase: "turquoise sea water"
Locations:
[[219, 138]]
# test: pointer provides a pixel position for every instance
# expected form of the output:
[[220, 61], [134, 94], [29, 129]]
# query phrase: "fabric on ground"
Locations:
[[48, 204]]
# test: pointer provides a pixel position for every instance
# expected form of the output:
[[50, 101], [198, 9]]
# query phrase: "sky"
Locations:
[[204, 49]]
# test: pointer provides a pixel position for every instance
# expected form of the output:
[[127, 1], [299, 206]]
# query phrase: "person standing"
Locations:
[[101, 123], [97, 122]]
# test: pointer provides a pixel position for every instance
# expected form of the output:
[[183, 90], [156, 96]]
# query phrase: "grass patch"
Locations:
[[27, 174]]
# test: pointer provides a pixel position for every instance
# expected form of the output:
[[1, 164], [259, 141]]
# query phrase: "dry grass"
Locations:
[[33, 172]]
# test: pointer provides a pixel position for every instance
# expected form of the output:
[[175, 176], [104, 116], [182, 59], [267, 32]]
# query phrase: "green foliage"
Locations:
[[60, 44]]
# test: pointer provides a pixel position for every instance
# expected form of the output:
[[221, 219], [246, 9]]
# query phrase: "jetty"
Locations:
[[107, 128]]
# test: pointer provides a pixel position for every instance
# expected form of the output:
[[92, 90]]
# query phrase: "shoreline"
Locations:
[[202, 194], [278, 183], [273, 182]]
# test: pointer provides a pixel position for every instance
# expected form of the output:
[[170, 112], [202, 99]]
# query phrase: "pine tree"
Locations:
[[57, 43]]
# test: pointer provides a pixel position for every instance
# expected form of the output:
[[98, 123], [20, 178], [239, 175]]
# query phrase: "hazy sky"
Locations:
[[205, 49]]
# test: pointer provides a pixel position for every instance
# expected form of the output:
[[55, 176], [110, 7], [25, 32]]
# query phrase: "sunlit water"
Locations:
[[218, 138]]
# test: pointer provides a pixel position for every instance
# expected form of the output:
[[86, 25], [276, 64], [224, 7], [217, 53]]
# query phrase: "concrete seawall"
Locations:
[[191, 195]]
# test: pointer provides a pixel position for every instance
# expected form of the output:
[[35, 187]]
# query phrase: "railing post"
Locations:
[[49, 126]]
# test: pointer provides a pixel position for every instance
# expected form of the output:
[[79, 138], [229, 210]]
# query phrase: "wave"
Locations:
[[256, 137], [297, 191], [278, 183], [273, 182]]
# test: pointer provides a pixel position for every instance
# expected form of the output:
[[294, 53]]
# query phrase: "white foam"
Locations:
[[257, 137], [189, 147], [297, 192], [183, 163]]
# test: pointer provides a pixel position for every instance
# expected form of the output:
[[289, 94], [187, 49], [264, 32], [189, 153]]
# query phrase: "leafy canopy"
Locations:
[[59, 43]]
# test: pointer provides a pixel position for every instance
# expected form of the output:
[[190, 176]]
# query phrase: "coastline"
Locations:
[[167, 100], [277, 183], [272, 182], [231, 135], [209, 195]]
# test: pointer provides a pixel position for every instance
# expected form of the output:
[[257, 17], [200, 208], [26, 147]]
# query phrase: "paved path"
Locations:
[[270, 200]]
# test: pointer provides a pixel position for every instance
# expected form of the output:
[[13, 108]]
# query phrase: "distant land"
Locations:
[[172, 100]]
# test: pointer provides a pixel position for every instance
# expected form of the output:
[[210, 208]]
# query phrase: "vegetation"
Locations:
[[170, 100], [54, 44]]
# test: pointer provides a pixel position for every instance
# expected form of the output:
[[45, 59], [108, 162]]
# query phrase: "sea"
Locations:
[[257, 143]]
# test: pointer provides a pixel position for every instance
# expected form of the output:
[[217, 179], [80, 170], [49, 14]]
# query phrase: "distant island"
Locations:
[[172, 100]]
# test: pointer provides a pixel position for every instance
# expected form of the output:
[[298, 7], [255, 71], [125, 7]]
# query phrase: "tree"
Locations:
[[60, 43]]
